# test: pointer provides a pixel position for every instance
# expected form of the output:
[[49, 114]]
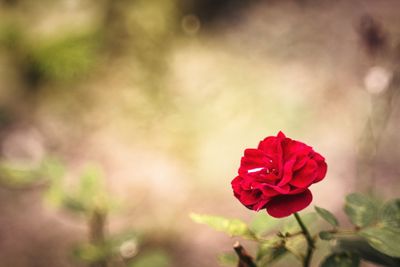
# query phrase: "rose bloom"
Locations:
[[276, 176]]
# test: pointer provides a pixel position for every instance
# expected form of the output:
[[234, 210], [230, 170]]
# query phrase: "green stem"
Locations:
[[310, 241]]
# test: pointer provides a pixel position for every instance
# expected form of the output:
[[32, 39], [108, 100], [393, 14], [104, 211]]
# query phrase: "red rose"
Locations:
[[276, 176]]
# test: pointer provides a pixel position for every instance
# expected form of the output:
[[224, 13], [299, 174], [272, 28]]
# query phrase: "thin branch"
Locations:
[[310, 241], [245, 260]]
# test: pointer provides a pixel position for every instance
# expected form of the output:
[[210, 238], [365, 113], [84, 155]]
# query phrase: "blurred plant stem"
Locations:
[[372, 135], [245, 260], [310, 241], [374, 39], [97, 228]]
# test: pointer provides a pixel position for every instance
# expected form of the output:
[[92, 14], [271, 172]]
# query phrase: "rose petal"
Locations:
[[306, 175], [267, 191], [285, 205], [281, 135], [287, 172], [250, 197], [280, 189], [300, 162], [254, 159], [294, 148], [322, 167], [236, 183], [270, 145], [260, 205]]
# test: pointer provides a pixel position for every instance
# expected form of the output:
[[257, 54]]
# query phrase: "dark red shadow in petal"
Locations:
[[285, 205]]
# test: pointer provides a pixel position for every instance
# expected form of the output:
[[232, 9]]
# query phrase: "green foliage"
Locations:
[[390, 214], [296, 245], [66, 58], [270, 252], [290, 224], [375, 236], [90, 194], [18, 175], [55, 172], [91, 191], [10, 35], [233, 227], [327, 216], [228, 259], [380, 226], [362, 248], [263, 223], [91, 253], [341, 260], [155, 258], [384, 239], [361, 210], [324, 235]]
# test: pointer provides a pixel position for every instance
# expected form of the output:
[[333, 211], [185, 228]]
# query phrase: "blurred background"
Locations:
[[162, 97]]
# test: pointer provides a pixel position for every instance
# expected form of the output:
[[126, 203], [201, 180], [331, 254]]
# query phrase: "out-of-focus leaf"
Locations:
[[290, 224], [53, 169], [73, 204], [92, 193], [228, 259], [155, 258], [296, 245], [324, 235], [390, 215], [341, 260], [384, 239], [360, 209], [270, 251], [16, 175], [268, 245], [362, 248], [263, 223], [66, 58], [233, 227], [90, 181], [91, 253], [327, 216]]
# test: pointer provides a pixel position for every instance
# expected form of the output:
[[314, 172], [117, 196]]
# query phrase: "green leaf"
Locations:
[[73, 204], [290, 224], [228, 259], [92, 191], [296, 245], [360, 209], [270, 251], [390, 215], [91, 253], [18, 175], [263, 223], [233, 227], [155, 258], [268, 245], [324, 235], [364, 250], [66, 58], [383, 239], [341, 260], [327, 216]]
